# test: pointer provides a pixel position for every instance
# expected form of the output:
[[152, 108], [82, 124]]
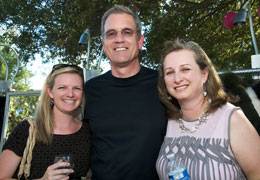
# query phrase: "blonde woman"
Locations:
[[59, 130]]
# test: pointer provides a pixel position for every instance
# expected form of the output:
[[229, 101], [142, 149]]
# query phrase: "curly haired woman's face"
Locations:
[[182, 75]]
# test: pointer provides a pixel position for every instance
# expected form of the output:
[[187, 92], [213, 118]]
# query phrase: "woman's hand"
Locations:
[[59, 171]]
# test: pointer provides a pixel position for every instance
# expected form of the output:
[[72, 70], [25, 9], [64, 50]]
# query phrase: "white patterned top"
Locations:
[[205, 153]]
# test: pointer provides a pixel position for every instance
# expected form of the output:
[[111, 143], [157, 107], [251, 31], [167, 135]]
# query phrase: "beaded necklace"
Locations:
[[201, 120]]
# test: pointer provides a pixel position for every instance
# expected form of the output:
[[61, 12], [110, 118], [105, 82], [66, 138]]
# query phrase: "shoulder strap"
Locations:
[[25, 165]]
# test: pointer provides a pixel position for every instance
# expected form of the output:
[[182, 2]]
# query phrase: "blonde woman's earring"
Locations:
[[51, 103]]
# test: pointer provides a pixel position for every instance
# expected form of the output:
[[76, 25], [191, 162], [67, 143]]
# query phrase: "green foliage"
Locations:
[[21, 106], [55, 26], [203, 23]]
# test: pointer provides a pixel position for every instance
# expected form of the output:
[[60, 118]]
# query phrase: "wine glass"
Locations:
[[65, 158]]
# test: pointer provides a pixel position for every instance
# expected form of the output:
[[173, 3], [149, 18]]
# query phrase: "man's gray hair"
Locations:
[[120, 9]]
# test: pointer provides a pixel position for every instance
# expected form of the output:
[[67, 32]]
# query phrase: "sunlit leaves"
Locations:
[[57, 25]]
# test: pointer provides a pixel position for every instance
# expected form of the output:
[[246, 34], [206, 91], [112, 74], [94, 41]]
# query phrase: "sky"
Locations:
[[40, 71]]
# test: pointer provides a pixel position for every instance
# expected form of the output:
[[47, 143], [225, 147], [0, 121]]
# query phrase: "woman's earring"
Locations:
[[209, 100], [205, 93], [51, 102]]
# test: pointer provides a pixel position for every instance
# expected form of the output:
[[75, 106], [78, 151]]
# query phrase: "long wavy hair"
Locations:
[[44, 111], [213, 85]]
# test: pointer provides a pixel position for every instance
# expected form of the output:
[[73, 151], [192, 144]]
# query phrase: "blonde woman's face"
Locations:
[[67, 92]]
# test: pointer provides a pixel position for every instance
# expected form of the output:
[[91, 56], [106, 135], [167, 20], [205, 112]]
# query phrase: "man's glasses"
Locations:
[[125, 33], [61, 66]]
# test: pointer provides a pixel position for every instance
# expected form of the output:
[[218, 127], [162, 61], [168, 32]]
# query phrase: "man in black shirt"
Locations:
[[126, 117]]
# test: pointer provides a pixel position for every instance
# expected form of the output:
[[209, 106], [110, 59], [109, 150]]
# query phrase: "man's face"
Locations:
[[121, 43]]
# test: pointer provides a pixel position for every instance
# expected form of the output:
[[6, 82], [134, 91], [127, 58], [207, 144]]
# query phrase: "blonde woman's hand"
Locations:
[[59, 171]]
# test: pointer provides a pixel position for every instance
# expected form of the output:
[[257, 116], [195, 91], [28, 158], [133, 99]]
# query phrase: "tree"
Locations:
[[21, 107], [202, 22], [55, 27]]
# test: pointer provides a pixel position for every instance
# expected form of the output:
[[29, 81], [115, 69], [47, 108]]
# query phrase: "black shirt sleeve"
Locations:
[[16, 141]]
